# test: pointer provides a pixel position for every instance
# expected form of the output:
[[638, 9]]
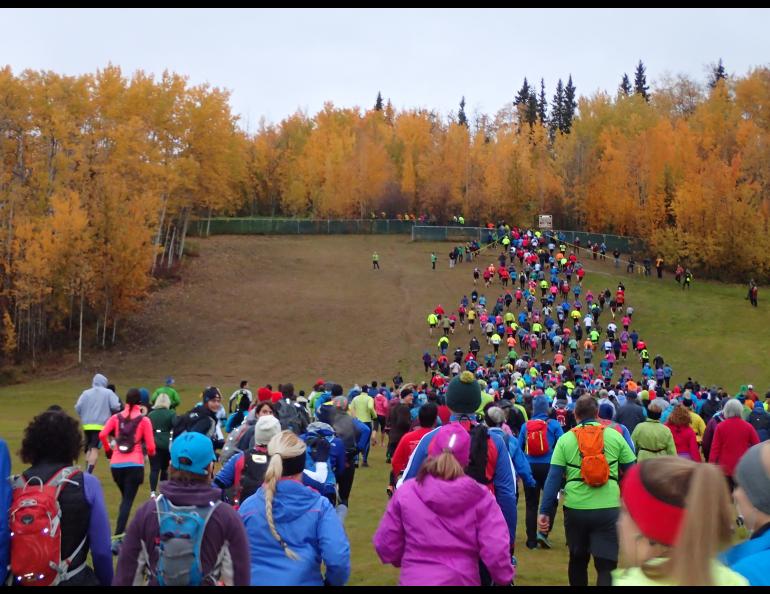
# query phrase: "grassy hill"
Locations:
[[278, 309]]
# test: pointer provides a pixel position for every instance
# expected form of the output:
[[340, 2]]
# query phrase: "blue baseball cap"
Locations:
[[169, 381], [192, 452]]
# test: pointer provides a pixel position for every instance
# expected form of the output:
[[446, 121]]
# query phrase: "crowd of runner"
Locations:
[[556, 394]]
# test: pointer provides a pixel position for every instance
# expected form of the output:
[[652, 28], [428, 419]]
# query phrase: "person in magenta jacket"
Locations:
[[127, 467], [438, 527], [732, 438]]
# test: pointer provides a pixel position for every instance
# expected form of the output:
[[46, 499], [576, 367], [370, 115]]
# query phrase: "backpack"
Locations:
[[234, 444], [561, 416], [329, 484], [125, 438], [35, 527], [250, 472], [181, 531], [537, 438], [187, 421], [292, 417], [594, 468]]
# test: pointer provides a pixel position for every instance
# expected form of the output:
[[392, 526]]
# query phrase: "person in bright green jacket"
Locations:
[[652, 438], [173, 395], [676, 517], [362, 408]]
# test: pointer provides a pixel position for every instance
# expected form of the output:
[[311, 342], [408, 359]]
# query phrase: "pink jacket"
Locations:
[[143, 435], [438, 531]]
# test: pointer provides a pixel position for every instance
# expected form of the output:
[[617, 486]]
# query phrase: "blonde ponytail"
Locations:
[[706, 528], [283, 445]]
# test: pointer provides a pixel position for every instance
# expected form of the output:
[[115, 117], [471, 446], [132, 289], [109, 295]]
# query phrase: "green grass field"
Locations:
[[278, 309]]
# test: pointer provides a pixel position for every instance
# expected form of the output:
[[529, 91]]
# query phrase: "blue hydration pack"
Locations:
[[181, 533]]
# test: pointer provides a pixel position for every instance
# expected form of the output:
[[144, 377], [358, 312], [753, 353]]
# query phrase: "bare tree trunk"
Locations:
[[165, 245], [170, 261], [185, 222], [80, 334], [106, 314], [208, 225], [160, 232], [97, 329], [114, 329], [72, 307]]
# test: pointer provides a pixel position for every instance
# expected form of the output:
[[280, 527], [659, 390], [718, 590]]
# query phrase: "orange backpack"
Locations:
[[594, 468]]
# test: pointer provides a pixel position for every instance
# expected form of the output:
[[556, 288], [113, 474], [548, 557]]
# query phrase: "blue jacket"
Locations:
[[554, 432], [5, 504], [520, 463], [750, 559], [308, 525], [504, 479]]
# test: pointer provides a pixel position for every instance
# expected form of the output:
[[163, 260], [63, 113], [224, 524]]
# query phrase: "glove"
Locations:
[[108, 453], [320, 452]]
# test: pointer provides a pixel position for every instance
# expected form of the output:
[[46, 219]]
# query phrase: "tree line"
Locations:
[[100, 175]]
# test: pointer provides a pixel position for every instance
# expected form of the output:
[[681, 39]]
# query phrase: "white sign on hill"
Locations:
[[545, 221]]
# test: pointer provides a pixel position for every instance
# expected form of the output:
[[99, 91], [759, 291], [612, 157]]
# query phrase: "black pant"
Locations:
[[345, 482], [159, 466], [532, 496], [128, 481], [591, 532]]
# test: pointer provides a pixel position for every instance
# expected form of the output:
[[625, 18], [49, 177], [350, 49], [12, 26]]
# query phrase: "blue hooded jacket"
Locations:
[[309, 526], [750, 558]]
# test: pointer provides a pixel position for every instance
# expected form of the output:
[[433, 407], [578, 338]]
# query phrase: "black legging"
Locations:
[[345, 482], [128, 481], [578, 569], [532, 495], [159, 466]]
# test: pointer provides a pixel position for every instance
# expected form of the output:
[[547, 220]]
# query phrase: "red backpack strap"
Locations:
[[239, 464]]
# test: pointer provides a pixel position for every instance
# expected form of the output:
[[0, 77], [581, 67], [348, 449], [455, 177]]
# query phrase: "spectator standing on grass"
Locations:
[[375, 261]]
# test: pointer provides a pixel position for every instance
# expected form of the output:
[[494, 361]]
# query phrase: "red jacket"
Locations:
[[731, 440], [406, 447], [685, 441]]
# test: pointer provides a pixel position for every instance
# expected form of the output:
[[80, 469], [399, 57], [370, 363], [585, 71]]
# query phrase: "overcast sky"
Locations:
[[276, 61]]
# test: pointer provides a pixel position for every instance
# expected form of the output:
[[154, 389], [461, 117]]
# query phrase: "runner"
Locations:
[[592, 492], [459, 536], [291, 528], [132, 432], [154, 551], [676, 517], [94, 408]]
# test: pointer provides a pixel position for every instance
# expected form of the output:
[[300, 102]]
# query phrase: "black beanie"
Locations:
[[463, 394]]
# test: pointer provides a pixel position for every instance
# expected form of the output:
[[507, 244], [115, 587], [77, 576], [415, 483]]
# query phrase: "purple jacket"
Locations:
[[438, 531], [224, 540]]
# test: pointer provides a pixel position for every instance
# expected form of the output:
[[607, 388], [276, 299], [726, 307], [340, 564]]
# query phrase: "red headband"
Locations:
[[657, 520]]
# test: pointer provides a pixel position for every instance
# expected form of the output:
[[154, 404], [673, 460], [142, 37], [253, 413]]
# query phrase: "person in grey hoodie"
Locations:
[[95, 407]]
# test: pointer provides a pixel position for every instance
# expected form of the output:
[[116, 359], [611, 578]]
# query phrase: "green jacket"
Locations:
[[173, 395], [653, 439], [162, 420], [362, 407]]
